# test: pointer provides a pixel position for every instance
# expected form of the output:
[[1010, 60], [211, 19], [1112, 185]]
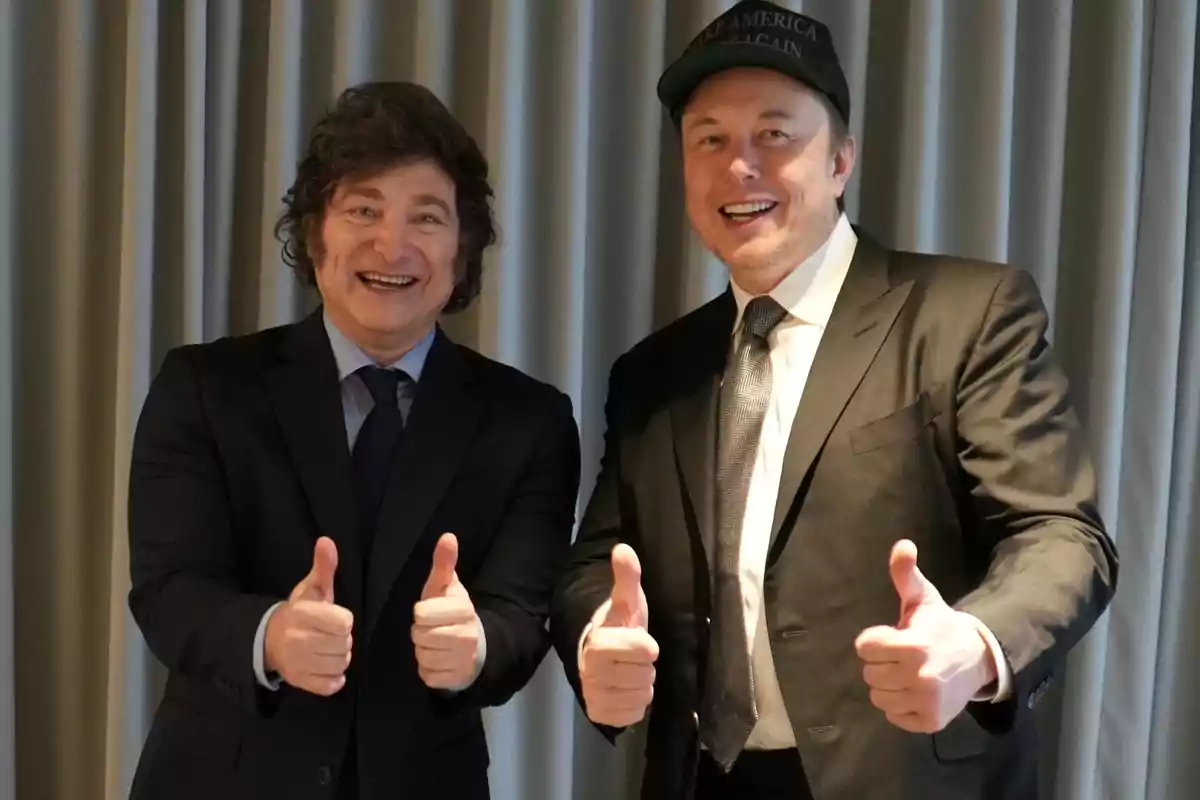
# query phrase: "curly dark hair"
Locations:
[[373, 127]]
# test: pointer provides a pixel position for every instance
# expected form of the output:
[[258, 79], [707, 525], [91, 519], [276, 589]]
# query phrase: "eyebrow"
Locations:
[[775, 113], [696, 123], [371, 193], [434, 200], [770, 113]]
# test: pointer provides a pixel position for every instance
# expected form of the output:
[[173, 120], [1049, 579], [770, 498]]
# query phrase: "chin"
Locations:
[[751, 258], [377, 322]]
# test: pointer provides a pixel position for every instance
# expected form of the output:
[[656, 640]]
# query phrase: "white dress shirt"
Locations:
[[808, 294]]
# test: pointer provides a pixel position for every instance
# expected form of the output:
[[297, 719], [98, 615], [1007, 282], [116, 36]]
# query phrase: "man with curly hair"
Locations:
[[344, 532]]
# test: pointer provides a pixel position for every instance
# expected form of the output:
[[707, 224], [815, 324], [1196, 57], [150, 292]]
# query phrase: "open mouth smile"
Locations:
[[386, 283], [747, 212]]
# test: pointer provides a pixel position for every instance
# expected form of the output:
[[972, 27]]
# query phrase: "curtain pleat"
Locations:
[[8, 203], [151, 141]]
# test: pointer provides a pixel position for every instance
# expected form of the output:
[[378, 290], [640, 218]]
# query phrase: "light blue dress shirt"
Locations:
[[356, 405]]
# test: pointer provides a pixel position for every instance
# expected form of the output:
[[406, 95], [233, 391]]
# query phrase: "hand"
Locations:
[[445, 628], [924, 671], [616, 667], [308, 640]]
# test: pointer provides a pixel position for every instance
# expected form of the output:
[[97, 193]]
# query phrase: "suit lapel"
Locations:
[[696, 378], [305, 393], [865, 310], [440, 427]]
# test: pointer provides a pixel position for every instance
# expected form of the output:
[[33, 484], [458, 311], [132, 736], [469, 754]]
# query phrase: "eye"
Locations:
[[775, 136], [428, 218], [364, 212], [708, 141]]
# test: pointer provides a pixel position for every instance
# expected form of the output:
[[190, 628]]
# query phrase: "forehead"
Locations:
[[751, 90], [399, 182]]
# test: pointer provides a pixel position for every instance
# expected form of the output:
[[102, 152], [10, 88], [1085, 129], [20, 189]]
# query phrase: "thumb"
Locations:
[[911, 586], [445, 560], [627, 587], [318, 584]]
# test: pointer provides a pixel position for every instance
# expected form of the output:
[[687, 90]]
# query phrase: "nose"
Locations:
[[390, 239], [744, 163]]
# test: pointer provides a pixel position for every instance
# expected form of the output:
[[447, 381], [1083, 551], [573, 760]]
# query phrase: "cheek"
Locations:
[[443, 257], [342, 245], [807, 182], [697, 184]]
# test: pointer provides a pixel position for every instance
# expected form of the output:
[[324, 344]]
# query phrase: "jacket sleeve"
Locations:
[[512, 590], [185, 592], [1032, 487], [587, 581]]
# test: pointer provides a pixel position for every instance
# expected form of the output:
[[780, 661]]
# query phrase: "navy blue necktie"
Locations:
[[374, 448]]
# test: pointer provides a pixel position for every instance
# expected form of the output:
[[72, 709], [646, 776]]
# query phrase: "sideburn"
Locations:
[[314, 245]]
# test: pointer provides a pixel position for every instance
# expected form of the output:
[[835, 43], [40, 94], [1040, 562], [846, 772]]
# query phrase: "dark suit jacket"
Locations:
[[935, 411], [240, 462]]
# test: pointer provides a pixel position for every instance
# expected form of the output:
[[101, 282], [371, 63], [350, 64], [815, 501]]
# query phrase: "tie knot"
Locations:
[[762, 314], [382, 383]]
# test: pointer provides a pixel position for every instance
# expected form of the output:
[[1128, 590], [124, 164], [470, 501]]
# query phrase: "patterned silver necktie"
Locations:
[[729, 713]]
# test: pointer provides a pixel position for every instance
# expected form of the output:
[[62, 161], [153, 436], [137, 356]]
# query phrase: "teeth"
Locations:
[[391, 280], [748, 208]]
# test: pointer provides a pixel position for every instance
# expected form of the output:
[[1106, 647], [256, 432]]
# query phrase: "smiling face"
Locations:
[[386, 262], [763, 171]]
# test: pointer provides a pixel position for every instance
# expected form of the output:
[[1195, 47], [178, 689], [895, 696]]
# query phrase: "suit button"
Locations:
[[324, 775]]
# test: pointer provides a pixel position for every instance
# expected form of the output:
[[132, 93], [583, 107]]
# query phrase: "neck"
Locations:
[[389, 352]]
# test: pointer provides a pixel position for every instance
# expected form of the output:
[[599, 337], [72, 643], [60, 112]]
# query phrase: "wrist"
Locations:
[[987, 673], [271, 642]]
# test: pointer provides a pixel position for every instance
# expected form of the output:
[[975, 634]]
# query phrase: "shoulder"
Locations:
[[958, 280], [227, 356], [678, 340], [964, 302], [511, 389]]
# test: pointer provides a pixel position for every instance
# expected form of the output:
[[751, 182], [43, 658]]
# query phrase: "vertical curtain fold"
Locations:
[[128, 372], [1174, 771], [1152, 381], [150, 145], [8, 202]]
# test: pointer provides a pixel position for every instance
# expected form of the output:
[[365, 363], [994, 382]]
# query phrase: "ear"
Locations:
[[844, 158]]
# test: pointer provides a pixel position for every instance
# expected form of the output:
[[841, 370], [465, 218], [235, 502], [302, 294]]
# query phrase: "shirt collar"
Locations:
[[809, 292], [350, 358]]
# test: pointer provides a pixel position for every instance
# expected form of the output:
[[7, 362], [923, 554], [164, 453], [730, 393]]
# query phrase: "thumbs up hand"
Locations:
[[446, 629], [923, 671], [317, 585], [308, 638], [616, 663]]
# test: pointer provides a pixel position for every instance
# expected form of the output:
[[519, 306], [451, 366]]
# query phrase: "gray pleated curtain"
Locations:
[[147, 144]]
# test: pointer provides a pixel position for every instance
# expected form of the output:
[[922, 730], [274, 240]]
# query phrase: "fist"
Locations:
[[922, 672], [616, 665], [308, 638], [445, 630]]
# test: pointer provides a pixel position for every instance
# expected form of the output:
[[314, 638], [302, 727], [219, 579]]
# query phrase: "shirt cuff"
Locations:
[[1002, 688], [480, 657], [597, 618], [271, 681]]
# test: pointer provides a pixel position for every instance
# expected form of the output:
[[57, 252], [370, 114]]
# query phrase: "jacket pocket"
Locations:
[[902, 425], [962, 739]]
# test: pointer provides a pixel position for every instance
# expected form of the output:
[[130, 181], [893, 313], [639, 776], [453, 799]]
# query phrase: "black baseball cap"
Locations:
[[755, 33]]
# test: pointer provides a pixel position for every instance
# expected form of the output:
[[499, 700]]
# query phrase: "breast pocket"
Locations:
[[902, 425]]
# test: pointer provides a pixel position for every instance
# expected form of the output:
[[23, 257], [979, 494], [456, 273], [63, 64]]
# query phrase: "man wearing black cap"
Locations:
[[746, 569]]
